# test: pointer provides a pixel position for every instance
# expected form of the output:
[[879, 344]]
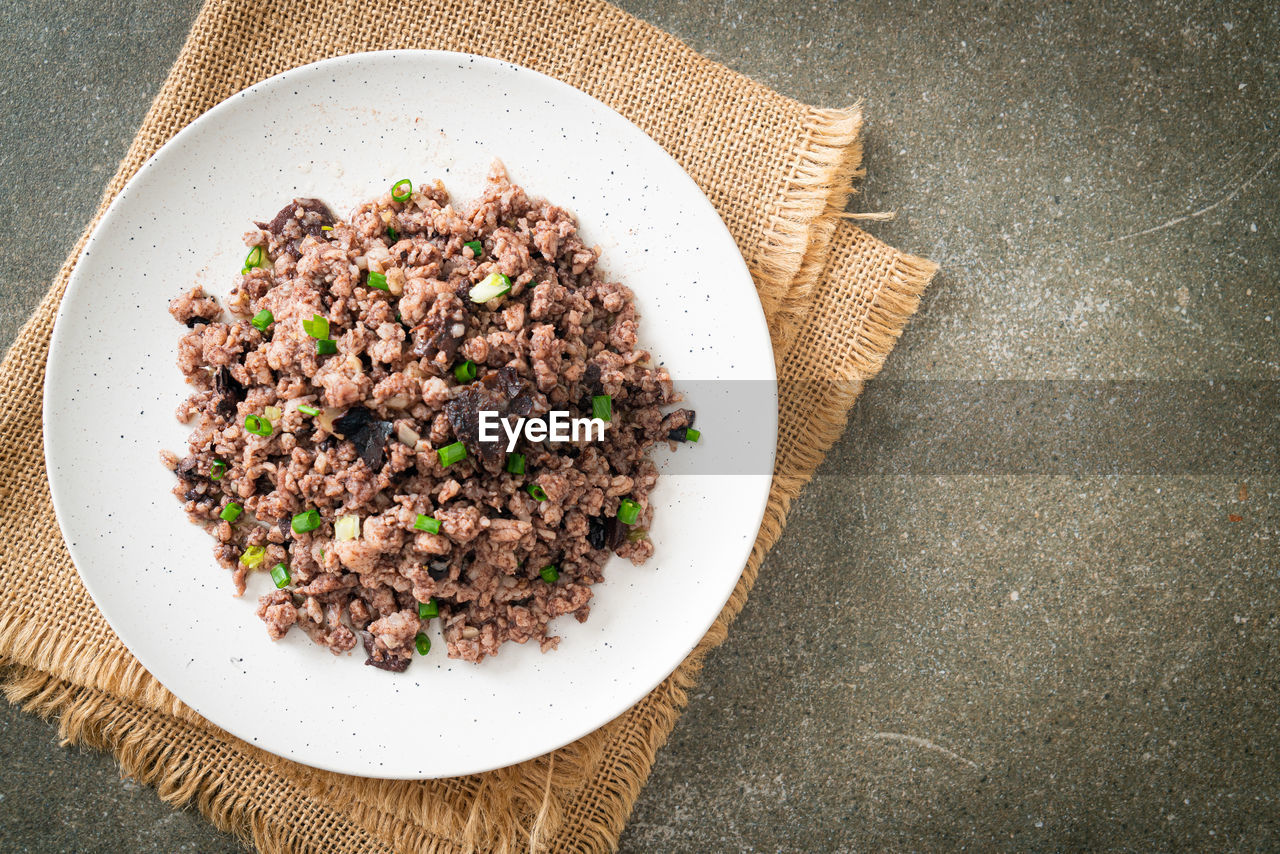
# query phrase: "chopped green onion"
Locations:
[[347, 527], [493, 286], [692, 435], [450, 454], [255, 258], [515, 463], [465, 372], [401, 190], [253, 556], [538, 493], [262, 320], [231, 512], [637, 534], [602, 407], [326, 347], [280, 575], [257, 425], [423, 643], [217, 470], [307, 521], [316, 327], [308, 409], [426, 523], [476, 247], [628, 512], [326, 228], [271, 413], [428, 609], [377, 280], [549, 574], [392, 234]]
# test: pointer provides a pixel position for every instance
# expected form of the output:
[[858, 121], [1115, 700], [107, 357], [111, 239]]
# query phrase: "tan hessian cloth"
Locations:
[[779, 173]]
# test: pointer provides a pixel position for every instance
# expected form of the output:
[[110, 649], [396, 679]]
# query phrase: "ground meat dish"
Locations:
[[348, 421]]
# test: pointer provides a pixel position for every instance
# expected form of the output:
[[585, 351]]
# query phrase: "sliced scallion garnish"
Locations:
[[306, 521], [423, 643], [308, 409], [262, 320], [316, 327], [476, 247], [450, 454], [217, 470], [515, 463], [377, 280], [549, 574], [402, 190], [538, 493], [628, 511], [256, 258], [430, 524], [392, 234], [428, 609], [257, 425], [692, 435], [253, 556], [492, 286], [327, 347], [465, 372], [602, 407], [280, 575], [231, 512]]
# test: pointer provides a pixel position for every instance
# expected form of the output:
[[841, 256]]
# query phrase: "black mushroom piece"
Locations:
[[187, 470], [677, 424], [227, 392], [362, 428], [463, 413], [196, 318], [295, 220], [591, 379], [382, 659], [513, 388], [596, 532], [442, 331], [502, 392], [605, 532], [310, 215], [188, 473]]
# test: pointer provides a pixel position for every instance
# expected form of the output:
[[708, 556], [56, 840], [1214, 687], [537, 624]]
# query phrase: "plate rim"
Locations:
[[76, 282]]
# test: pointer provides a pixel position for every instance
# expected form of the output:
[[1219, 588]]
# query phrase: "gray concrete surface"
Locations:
[[946, 657]]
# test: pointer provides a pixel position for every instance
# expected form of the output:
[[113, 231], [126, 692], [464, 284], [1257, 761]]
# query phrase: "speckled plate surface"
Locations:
[[343, 130]]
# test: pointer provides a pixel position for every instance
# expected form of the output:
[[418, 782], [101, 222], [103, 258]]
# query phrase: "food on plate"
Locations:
[[345, 394]]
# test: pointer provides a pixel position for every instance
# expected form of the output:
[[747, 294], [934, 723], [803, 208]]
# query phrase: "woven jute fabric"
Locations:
[[779, 173]]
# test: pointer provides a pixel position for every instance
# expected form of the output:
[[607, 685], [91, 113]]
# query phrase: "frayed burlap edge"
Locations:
[[793, 251]]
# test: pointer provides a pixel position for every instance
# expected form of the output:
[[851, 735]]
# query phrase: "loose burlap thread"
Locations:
[[779, 173]]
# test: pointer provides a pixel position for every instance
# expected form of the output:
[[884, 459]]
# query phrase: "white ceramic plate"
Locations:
[[343, 130]]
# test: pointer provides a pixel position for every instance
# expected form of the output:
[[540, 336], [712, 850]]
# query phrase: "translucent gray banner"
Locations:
[[1064, 427]]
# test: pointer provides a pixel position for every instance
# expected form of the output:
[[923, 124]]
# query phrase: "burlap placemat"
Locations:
[[779, 174]]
